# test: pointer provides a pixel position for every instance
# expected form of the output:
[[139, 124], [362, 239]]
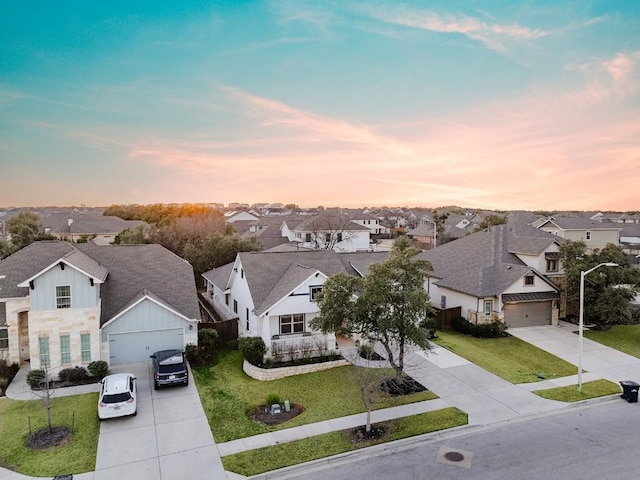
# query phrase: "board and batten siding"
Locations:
[[146, 315], [83, 294]]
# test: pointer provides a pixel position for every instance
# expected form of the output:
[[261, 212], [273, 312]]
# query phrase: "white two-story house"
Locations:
[[271, 294]]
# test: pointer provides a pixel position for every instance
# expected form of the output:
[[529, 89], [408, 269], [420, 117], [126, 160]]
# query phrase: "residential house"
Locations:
[[67, 304], [239, 215], [330, 230], [595, 234], [509, 273], [630, 240], [271, 294], [75, 226]]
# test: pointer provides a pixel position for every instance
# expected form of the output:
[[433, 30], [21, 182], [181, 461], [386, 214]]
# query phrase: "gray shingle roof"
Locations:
[[581, 223], [128, 270], [89, 223], [483, 263], [272, 275]]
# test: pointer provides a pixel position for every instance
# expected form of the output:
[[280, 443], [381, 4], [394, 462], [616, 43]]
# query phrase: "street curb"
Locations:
[[408, 443]]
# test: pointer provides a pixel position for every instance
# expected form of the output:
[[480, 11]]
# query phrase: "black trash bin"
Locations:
[[630, 391]]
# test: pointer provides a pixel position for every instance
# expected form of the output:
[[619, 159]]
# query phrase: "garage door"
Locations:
[[527, 314], [137, 346]]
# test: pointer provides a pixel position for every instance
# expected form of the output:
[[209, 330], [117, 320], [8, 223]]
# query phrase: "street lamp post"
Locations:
[[581, 321]]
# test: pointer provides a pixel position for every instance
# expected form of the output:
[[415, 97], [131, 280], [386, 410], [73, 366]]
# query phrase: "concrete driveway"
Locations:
[[168, 439]]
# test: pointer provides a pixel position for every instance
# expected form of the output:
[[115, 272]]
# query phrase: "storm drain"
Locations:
[[451, 456]]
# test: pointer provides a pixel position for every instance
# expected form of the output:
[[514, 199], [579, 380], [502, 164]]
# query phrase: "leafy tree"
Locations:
[[491, 221], [6, 248], [24, 229], [439, 220], [216, 250], [388, 306], [607, 291], [136, 236]]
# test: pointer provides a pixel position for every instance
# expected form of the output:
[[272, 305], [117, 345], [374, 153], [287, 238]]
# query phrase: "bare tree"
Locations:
[[328, 229]]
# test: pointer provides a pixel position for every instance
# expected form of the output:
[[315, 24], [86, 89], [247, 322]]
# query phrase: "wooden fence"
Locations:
[[445, 317]]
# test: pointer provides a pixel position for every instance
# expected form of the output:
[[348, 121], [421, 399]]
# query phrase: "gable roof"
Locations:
[[579, 223], [272, 275], [127, 270], [485, 263]]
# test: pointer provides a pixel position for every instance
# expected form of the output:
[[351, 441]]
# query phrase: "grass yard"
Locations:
[[508, 357], [570, 393], [266, 459], [625, 338], [76, 457], [227, 394]]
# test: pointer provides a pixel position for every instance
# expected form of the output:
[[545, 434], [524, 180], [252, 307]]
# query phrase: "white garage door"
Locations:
[[527, 314], [137, 346]]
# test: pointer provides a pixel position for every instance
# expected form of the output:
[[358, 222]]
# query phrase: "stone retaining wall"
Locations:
[[266, 374]]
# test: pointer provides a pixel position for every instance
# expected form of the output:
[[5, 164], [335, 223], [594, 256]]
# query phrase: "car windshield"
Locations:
[[116, 397]]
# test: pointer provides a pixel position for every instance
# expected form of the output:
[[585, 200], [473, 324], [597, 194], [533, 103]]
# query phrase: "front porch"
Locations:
[[300, 346]]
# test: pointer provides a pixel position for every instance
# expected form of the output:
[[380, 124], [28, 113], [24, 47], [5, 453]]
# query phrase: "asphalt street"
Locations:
[[587, 442]]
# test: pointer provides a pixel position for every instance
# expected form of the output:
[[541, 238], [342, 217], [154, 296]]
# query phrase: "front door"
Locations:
[[23, 336]]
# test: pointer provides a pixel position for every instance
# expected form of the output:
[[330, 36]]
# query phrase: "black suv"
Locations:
[[169, 368]]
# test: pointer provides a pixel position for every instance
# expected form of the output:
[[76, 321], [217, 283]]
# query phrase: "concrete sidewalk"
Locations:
[[486, 398]]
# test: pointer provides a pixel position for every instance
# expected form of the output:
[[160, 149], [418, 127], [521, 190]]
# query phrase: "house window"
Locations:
[[43, 348], [247, 317], [528, 280], [488, 306], [314, 291], [587, 235], [235, 306], [241, 273], [226, 298], [65, 350], [85, 347], [443, 301], [339, 237], [552, 265], [291, 323], [4, 338], [63, 296], [307, 237], [327, 237]]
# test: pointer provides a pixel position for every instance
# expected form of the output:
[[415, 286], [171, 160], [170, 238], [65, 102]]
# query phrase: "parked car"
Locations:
[[169, 368], [118, 396]]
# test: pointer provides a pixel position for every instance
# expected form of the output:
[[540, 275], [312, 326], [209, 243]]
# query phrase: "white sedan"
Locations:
[[118, 396]]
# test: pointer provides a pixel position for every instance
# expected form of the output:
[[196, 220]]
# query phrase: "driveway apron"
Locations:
[[170, 437]]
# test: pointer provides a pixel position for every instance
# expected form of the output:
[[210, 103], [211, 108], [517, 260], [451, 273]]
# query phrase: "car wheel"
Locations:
[[135, 413], [186, 382], [155, 385]]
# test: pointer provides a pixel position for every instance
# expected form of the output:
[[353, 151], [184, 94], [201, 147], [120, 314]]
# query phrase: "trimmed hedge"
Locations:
[[480, 330], [253, 349]]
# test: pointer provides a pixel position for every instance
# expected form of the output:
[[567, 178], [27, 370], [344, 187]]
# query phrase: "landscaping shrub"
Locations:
[[8, 370], [488, 330], [191, 352], [73, 375], [207, 341], [98, 369], [480, 330], [366, 351], [253, 349], [35, 378], [4, 383], [462, 325], [273, 399]]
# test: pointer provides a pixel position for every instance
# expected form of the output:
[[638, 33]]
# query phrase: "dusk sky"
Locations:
[[494, 104]]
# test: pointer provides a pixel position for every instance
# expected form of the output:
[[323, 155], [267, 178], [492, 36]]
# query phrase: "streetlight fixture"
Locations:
[[581, 322]]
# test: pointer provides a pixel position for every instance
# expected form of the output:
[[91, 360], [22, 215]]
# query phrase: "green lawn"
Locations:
[[76, 457], [570, 393], [508, 357], [227, 394], [266, 459], [625, 338]]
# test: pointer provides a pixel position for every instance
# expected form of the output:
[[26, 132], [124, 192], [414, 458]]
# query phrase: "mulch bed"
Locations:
[[53, 384], [406, 386], [45, 438], [262, 414], [360, 434], [372, 356]]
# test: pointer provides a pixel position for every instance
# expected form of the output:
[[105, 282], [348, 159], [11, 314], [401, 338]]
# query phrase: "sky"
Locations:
[[502, 105]]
